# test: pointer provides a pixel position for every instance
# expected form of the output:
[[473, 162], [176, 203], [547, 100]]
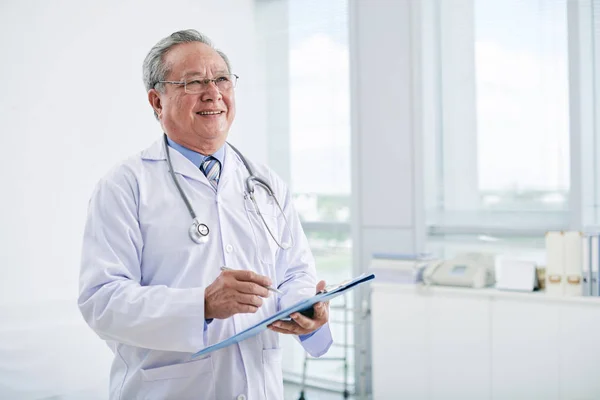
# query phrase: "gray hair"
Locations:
[[154, 67]]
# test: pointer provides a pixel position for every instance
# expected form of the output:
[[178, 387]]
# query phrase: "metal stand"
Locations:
[[345, 321]]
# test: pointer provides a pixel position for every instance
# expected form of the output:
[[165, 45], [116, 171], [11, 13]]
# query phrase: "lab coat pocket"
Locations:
[[179, 381], [273, 374], [265, 246]]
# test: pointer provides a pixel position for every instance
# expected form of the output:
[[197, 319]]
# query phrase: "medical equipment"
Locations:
[[474, 270], [400, 268], [199, 231]]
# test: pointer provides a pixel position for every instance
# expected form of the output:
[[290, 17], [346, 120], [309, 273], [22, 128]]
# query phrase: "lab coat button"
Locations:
[[229, 249], [241, 397]]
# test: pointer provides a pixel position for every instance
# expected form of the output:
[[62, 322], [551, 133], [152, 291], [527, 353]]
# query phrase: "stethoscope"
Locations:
[[199, 231]]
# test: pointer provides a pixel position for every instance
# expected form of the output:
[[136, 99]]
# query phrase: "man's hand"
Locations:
[[301, 325], [235, 292]]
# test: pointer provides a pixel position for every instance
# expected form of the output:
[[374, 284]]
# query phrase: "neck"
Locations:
[[204, 147]]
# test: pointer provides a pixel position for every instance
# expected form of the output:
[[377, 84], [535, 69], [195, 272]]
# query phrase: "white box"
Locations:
[[573, 262], [516, 275]]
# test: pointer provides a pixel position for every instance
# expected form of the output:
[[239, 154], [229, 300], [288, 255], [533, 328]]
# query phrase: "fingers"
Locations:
[[280, 330], [288, 328], [249, 299], [320, 286], [251, 288], [321, 310], [246, 308], [251, 276], [304, 322], [300, 325]]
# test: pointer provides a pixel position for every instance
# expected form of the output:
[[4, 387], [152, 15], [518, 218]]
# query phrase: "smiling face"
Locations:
[[200, 121]]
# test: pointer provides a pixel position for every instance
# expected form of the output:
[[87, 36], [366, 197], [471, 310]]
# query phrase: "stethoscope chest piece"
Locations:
[[199, 232]]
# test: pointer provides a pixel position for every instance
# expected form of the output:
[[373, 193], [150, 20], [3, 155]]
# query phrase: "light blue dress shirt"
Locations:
[[196, 158]]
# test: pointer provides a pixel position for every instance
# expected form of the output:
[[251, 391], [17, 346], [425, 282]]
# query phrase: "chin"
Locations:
[[213, 135]]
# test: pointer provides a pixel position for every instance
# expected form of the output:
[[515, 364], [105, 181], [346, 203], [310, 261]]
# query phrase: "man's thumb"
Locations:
[[320, 286]]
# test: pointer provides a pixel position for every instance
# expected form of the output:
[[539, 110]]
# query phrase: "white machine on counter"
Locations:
[[475, 270], [399, 268]]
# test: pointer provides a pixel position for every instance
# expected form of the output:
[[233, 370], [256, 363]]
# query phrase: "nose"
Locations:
[[211, 93]]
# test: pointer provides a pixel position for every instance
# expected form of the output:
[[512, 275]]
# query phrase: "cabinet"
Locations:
[[578, 358], [524, 350], [455, 325], [400, 367], [452, 343]]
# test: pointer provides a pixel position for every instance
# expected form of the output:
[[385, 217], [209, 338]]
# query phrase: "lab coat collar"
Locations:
[[183, 166], [232, 163]]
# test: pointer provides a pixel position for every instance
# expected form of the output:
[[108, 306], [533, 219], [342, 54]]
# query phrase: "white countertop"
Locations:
[[486, 292]]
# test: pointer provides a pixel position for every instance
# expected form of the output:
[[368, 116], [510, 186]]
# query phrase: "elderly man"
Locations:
[[162, 224]]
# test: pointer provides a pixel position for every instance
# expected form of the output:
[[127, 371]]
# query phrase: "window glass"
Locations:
[[315, 152], [522, 100]]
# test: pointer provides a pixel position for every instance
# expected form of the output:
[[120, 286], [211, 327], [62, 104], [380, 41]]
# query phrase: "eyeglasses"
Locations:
[[197, 85]]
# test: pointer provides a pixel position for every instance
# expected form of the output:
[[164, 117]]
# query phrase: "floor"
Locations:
[[292, 392]]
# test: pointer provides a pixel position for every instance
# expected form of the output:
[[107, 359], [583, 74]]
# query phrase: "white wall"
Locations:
[[72, 105]]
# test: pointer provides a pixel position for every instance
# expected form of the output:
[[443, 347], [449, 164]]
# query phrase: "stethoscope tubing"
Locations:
[[200, 237], [181, 194]]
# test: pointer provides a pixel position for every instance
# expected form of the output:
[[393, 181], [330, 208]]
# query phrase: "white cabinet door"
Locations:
[[460, 347], [399, 345], [579, 351], [524, 350]]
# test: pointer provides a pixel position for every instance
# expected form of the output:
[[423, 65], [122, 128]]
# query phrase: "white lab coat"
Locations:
[[142, 279]]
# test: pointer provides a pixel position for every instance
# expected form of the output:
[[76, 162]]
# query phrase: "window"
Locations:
[[497, 125], [499, 154], [320, 130], [305, 45], [587, 113], [511, 142]]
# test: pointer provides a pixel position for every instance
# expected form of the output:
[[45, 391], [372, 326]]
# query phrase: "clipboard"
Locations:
[[325, 295]]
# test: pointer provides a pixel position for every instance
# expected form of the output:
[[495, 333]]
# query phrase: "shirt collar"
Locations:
[[196, 158]]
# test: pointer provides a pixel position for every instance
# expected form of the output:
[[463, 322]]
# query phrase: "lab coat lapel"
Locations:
[[181, 165], [232, 163]]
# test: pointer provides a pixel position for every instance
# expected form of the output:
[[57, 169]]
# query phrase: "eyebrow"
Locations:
[[217, 73]]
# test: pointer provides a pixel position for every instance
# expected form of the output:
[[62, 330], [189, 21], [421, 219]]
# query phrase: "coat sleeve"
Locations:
[[300, 279], [111, 299]]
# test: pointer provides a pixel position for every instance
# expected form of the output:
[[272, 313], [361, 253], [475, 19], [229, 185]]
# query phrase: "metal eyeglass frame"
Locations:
[[205, 82]]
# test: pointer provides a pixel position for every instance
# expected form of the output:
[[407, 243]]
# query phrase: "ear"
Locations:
[[154, 99]]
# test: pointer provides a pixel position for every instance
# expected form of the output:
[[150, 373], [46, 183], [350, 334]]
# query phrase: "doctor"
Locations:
[[151, 283]]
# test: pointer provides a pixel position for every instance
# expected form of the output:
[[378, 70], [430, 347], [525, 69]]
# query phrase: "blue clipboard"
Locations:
[[328, 294]]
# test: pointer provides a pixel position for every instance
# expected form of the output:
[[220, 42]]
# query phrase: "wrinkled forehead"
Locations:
[[194, 59]]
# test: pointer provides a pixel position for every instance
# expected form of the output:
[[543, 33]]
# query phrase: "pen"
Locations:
[[272, 289]]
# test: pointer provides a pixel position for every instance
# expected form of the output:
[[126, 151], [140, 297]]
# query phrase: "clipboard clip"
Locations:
[[330, 288]]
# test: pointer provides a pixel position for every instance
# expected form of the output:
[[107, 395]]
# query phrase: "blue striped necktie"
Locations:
[[211, 167]]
